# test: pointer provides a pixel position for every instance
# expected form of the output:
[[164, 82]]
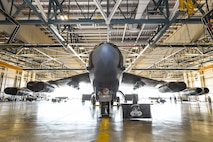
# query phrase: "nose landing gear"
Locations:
[[93, 100], [105, 109], [105, 99]]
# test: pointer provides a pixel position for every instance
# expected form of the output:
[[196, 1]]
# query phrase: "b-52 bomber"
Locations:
[[106, 74]]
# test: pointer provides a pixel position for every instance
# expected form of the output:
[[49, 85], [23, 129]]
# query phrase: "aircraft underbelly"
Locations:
[[106, 79]]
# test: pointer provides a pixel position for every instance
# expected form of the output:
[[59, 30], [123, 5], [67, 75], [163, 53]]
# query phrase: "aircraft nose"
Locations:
[[106, 58], [107, 52]]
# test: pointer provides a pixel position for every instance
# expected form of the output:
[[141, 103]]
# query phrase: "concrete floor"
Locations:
[[73, 122]]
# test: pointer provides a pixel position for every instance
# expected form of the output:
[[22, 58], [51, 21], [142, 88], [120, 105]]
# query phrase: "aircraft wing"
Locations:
[[72, 81], [49, 86], [163, 86]]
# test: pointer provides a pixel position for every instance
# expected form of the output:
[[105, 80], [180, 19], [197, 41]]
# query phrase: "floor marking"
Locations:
[[103, 135]]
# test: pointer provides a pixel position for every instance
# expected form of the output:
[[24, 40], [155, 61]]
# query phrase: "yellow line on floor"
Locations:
[[103, 135]]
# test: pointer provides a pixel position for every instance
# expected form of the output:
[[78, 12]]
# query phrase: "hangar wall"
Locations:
[[209, 79], [13, 78], [202, 78]]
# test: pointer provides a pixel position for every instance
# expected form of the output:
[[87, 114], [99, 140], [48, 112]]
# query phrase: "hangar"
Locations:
[[44, 40]]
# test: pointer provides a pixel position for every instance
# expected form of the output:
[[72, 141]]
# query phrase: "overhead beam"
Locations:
[[124, 32], [55, 69], [192, 20], [184, 45], [65, 69], [138, 56], [52, 29], [15, 31], [139, 34], [114, 9], [167, 69], [4, 64], [175, 13], [158, 62], [126, 44], [101, 10], [206, 68], [51, 58], [105, 16]]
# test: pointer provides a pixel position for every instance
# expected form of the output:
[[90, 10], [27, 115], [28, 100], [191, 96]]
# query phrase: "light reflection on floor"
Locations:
[[72, 121]]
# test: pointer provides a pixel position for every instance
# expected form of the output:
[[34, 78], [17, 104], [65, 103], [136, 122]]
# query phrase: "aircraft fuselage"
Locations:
[[106, 67]]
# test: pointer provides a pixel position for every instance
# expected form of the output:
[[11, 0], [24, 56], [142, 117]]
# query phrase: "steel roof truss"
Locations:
[[42, 16]]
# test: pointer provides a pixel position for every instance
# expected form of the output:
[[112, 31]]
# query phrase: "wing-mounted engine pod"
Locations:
[[172, 87], [11, 90], [39, 86], [138, 84], [195, 91], [17, 91]]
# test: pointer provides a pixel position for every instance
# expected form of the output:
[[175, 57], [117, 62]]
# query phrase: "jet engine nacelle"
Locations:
[[16, 91], [39, 86], [172, 87], [195, 91], [11, 90], [205, 91], [138, 84]]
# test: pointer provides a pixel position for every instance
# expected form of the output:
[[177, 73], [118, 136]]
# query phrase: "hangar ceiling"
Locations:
[[158, 38]]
